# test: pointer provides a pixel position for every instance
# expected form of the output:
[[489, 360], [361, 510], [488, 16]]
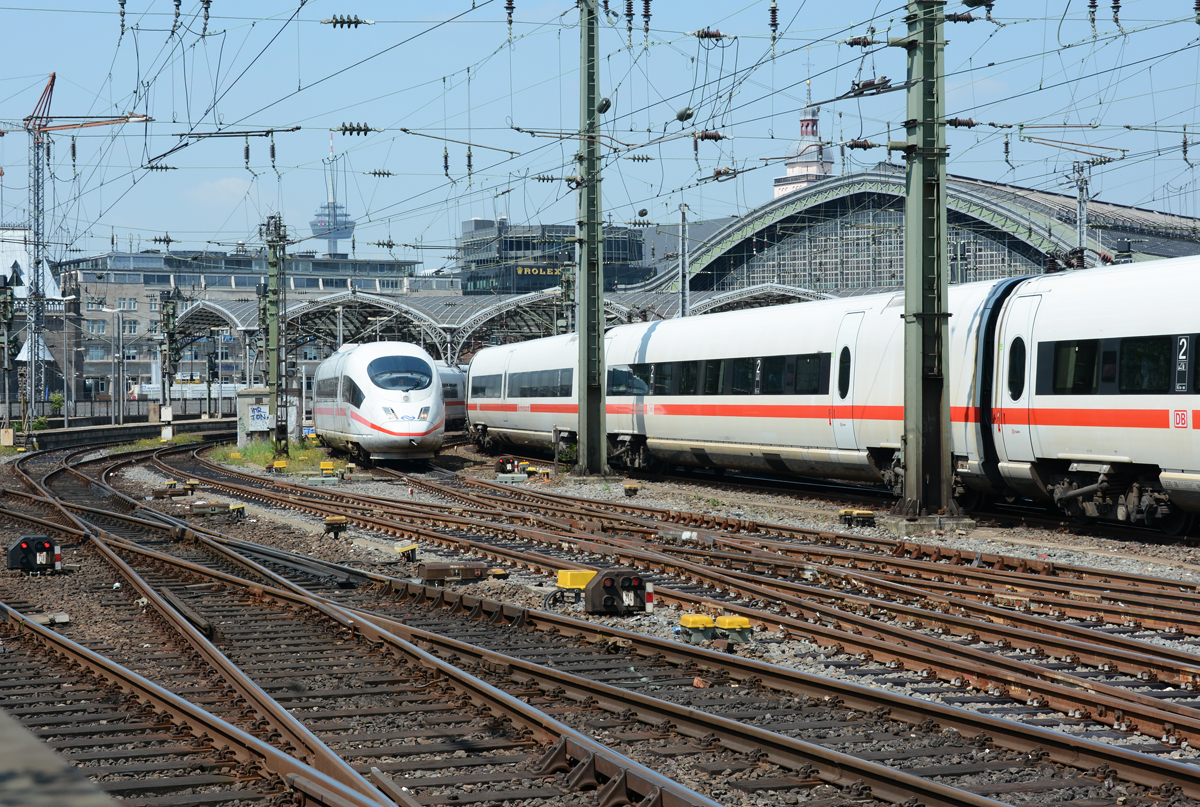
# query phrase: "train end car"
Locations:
[[380, 401], [454, 394]]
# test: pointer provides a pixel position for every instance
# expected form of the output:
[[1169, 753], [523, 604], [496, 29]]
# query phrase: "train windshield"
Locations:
[[404, 373]]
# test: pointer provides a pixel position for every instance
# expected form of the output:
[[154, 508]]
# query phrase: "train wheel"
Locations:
[[1178, 523], [971, 499]]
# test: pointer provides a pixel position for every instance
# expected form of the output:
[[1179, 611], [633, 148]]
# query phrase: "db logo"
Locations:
[[1179, 419]]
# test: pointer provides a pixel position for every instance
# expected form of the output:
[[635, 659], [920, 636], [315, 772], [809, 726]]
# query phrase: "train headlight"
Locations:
[[387, 410], [424, 414]]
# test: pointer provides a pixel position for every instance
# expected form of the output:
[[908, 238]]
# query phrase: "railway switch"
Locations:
[[696, 628], [34, 553], [616, 591], [734, 629], [439, 574], [857, 518], [574, 581], [221, 510]]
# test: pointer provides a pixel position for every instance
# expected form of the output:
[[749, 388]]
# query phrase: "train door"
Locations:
[[1014, 381], [842, 389], [506, 390]]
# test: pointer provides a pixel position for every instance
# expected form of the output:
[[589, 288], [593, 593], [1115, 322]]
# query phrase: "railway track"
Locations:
[[1003, 703], [138, 740], [380, 707]]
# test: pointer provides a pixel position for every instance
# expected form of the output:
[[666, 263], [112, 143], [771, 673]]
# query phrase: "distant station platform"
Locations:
[[94, 435], [32, 775]]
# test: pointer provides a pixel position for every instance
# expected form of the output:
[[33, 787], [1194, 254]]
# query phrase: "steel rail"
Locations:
[[316, 785], [902, 647], [1071, 597], [543, 727], [834, 767], [379, 578], [1077, 752], [294, 736], [895, 547], [960, 616]]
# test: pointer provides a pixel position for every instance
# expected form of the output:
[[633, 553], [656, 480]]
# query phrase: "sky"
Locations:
[[430, 78]]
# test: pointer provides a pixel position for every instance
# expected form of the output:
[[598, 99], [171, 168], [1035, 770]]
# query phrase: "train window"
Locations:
[[1146, 365], [540, 384], [664, 374], [689, 377], [642, 373], [1108, 367], [403, 373], [742, 373], [450, 392], [351, 394], [564, 382], [812, 374], [844, 373], [623, 381], [1016, 368], [486, 386], [1076, 369], [773, 370], [714, 377], [326, 389]]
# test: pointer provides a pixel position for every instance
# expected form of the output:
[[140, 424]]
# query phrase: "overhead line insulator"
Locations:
[[354, 129], [344, 21], [379, 172], [639, 158]]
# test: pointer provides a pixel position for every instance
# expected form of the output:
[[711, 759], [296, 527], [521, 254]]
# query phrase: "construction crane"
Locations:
[[39, 128]]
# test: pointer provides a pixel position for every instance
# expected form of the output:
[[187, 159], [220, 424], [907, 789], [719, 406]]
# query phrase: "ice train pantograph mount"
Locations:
[[1078, 388], [381, 401]]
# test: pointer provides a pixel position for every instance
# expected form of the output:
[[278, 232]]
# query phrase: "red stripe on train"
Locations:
[[365, 422], [1084, 418]]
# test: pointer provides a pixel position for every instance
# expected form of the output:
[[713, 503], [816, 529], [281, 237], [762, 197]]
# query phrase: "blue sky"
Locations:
[[447, 70]]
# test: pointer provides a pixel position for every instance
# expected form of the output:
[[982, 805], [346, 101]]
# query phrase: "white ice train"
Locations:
[[1075, 388], [381, 401]]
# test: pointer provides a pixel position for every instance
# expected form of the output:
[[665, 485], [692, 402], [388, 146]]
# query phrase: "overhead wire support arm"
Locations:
[[461, 142], [188, 138], [237, 133]]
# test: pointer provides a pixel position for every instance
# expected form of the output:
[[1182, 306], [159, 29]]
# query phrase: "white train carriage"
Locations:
[[1072, 387], [381, 401], [454, 394]]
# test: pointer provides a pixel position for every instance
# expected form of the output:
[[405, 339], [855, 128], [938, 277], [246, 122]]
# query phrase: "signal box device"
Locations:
[[34, 553], [617, 591]]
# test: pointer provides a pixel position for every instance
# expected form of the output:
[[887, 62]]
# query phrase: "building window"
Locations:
[[97, 326], [127, 303], [309, 353], [131, 326], [95, 303], [97, 354], [131, 354], [154, 305]]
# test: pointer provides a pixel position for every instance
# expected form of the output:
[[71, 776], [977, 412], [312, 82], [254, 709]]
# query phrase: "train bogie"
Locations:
[[1072, 388], [380, 401]]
